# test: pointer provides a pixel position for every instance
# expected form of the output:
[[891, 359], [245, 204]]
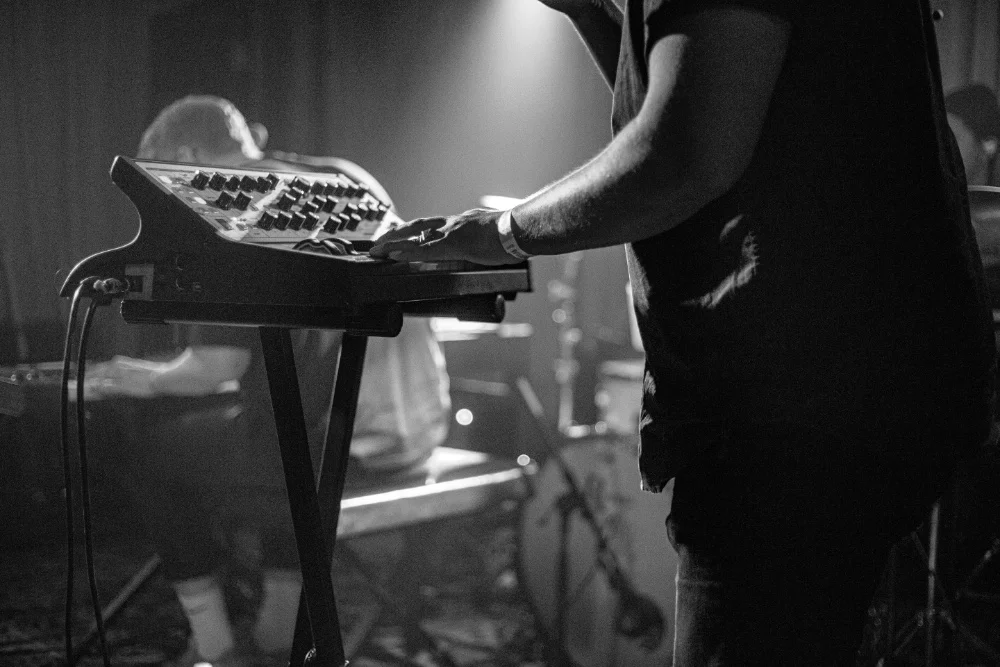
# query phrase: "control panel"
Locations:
[[316, 212]]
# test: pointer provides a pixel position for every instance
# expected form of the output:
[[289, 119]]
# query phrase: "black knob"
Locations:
[[353, 221], [224, 201], [283, 220], [285, 201], [233, 183], [382, 210], [310, 222], [299, 184], [331, 225], [309, 207], [297, 220], [242, 201], [329, 189], [248, 183], [263, 185], [267, 220], [317, 188], [217, 182], [199, 180]]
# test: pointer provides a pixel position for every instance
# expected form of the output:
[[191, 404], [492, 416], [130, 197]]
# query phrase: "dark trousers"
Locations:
[[781, 536]]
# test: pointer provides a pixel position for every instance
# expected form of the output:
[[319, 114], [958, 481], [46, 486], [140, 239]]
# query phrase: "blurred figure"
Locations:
[[974, 118], [205, 468]]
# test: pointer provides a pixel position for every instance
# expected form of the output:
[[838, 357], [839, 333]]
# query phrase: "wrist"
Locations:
[[506, 228]]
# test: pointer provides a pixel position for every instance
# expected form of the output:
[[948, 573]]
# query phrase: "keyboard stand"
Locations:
[[317, 629]]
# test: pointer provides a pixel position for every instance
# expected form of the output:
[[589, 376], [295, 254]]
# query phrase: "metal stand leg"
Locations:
[[307, 520]]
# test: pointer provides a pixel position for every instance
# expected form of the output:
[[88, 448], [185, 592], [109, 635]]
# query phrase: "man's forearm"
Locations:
[[600, 27], [626, 193]]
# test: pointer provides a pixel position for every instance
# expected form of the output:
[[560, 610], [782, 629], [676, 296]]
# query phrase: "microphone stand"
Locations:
[[639, 617]]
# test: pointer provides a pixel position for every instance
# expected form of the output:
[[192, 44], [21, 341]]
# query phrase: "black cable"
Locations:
[[81, 420], [67, 469]]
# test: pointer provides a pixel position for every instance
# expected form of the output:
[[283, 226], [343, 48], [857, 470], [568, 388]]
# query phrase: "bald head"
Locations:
[[202, 129]]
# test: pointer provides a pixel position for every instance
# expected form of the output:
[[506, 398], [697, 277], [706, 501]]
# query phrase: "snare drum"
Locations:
[[606, 471]]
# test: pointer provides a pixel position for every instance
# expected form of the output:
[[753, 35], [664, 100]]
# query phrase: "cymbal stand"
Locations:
[[638, 617], [939, 605]]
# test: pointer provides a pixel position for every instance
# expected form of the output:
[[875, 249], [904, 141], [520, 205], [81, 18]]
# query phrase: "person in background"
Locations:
[[808, 291], [205, 467], [974, 118]]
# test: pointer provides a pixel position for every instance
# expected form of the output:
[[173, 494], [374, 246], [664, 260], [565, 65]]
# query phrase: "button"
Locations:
[[267, 220], [283, 220], [199, 180], [297, 220], [233, 183], [331, 225], [224, 201], [248, 183], [353, 221], [310, 207], [242, 201], [274, 180], [364, 212], [285, 201], [382, 210], [262, 185], [329, 204], [329, 189], [217, 182], [299, 184], [317, 188]]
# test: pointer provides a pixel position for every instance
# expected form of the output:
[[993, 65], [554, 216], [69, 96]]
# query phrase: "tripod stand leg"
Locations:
[[138, 580]]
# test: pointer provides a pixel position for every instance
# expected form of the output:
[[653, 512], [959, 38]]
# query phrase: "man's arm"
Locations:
[[599, 24], [710, 87], [711, 81]]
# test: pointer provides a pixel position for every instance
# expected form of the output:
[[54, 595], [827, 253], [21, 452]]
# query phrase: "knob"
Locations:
[[224, 201], [297, 220], [317, 188], [233, 183], [299, 184], [217, 182], [242, 201], [331, 225], [283, 220], [329, 204], [248, 183], [285, 201], [310, 207], [263, 185], [199, 180], [353, 221], [310, 222], [267, 220], [329, 189]]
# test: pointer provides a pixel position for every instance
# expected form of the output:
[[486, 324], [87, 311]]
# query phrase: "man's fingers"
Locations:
[[410, 229]]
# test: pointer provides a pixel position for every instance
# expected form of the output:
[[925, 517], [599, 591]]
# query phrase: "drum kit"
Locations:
[[595, 560]]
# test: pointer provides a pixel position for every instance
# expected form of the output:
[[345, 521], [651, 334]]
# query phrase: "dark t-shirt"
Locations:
[[837, 285]]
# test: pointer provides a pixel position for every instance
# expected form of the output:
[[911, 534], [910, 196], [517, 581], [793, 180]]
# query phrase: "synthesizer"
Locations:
[[277, 248]]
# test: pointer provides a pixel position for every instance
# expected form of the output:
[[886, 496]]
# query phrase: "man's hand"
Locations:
[[470, 236]]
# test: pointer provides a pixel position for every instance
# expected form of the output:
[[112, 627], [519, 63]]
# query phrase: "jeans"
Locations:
[[781, 536]]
